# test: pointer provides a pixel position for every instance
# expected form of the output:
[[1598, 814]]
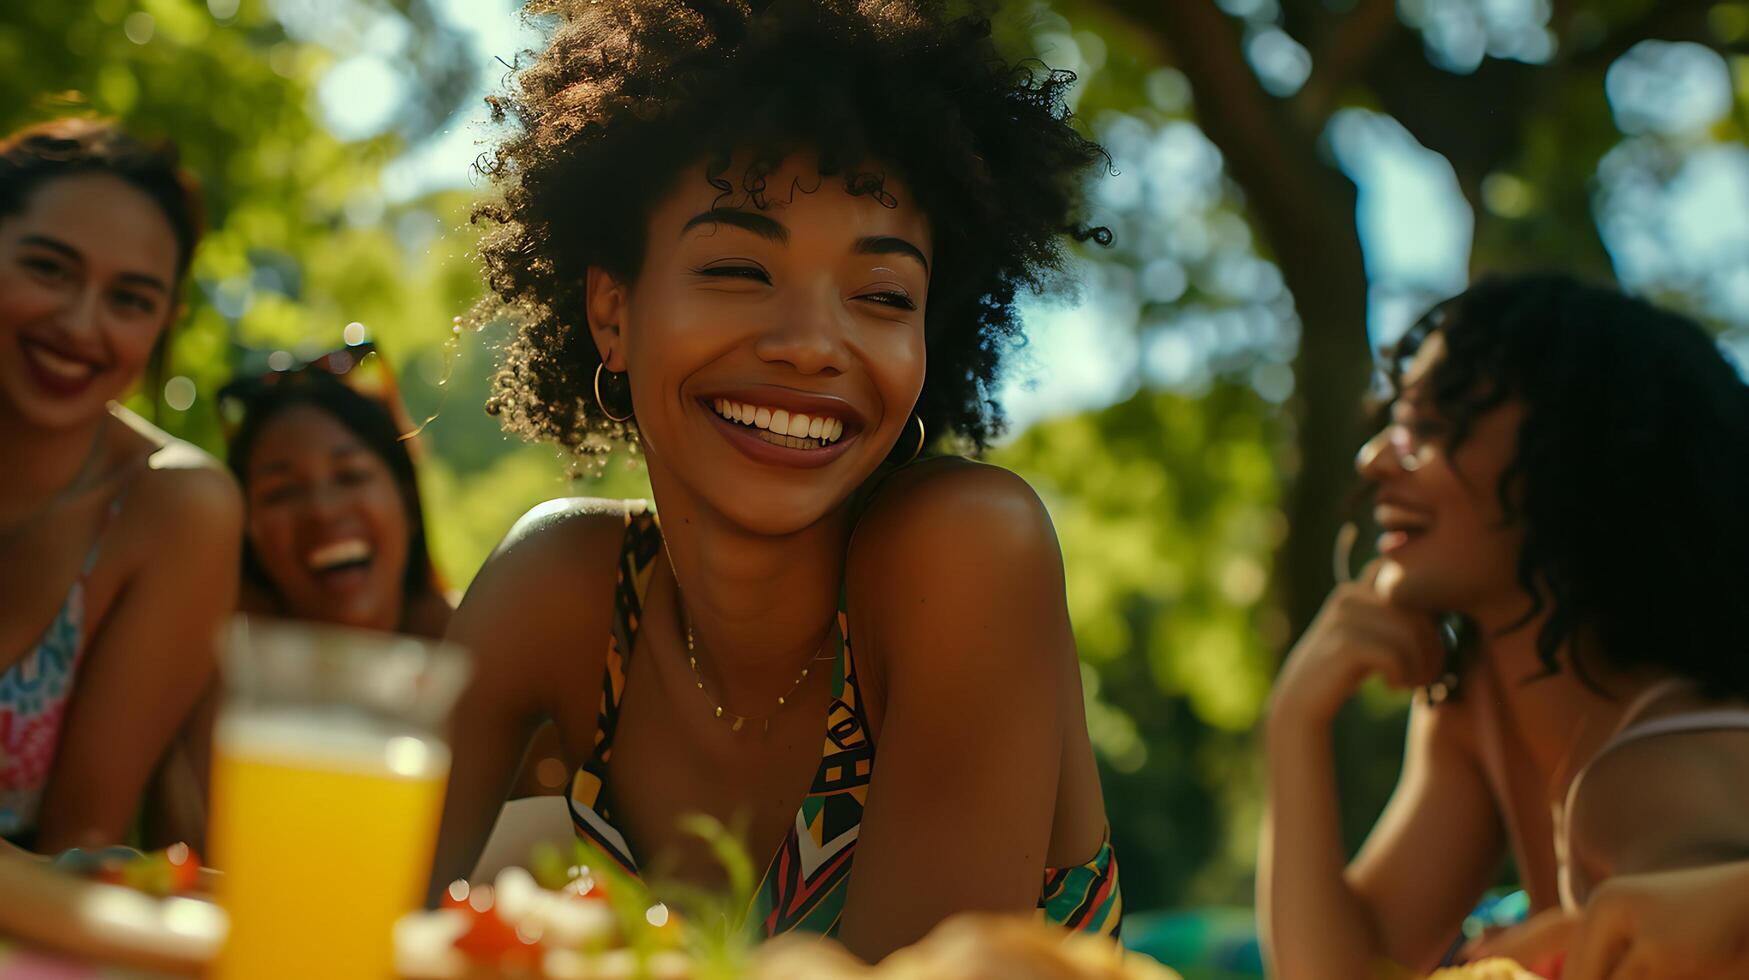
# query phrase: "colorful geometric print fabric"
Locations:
[[803, 888]]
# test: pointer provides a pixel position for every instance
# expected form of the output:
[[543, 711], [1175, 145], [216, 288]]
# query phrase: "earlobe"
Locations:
[[605, 304]]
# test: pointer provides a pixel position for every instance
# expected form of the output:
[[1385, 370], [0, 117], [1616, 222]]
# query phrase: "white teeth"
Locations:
[[64, 367], [339, 553], [792, 442], [803, 431]]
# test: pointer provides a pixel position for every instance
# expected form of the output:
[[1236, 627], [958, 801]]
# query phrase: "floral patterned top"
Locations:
[[34, 693]]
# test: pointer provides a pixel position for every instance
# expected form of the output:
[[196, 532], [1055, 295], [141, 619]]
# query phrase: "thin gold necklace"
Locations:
[[739, 721], [73, 486]]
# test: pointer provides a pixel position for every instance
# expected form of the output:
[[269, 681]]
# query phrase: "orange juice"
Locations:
[[324, 830]]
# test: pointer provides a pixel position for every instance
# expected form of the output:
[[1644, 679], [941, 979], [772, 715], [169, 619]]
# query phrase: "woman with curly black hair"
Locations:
[[777, 246], [1565, 469]]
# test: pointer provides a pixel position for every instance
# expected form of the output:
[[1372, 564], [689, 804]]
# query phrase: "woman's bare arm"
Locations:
[[150, 658], [966, 625], [1430, 856], [536, 619]]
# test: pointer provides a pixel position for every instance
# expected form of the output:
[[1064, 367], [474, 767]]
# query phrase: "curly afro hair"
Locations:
[[1631, 472], [630, 92]]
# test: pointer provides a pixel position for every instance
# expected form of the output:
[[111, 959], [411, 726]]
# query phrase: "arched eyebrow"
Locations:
[[888, 245], [275, 467], [773, 230], [758, 224], [72, 254]]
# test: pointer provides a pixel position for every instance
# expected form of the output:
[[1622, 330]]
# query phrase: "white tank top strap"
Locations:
[[1718, 719], [1637, 707], [1631, 729], [1645, 699]]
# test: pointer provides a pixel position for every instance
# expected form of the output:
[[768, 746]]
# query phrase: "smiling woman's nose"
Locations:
[[1375, 456], [78, 313], [324, 501], [809, 337]]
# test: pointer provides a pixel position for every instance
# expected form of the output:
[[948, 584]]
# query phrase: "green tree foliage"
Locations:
[[1167, 509]]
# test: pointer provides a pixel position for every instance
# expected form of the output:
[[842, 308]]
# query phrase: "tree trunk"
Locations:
[[1304, 210]]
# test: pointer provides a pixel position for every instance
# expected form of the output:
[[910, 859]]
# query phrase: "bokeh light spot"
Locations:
[[139, 27], [179, 393]]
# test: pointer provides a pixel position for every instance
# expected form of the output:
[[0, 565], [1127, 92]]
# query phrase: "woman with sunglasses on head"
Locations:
[[335, 532], [1564, 471], [118, 544], [777, 246]]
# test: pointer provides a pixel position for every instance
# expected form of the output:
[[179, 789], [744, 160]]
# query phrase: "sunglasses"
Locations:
[[361, 367]]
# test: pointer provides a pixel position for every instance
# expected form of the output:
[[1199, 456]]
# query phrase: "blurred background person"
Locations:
[[1563, 472], [335, 527], [117, 542]]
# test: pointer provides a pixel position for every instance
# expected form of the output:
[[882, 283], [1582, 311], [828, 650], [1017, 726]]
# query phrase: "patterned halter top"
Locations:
[[804, 884]]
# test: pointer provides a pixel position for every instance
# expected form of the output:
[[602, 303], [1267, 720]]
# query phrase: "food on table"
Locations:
[[64, 906], [175, 870], [516, 926], [1497, 968], [969, 947]]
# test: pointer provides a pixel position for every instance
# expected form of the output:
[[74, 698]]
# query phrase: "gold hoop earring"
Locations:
[[603, 405], [920, 438]]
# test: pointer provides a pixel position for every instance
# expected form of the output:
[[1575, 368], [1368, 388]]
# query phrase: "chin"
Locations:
[[771, 502], [777, 515], [46, 413], [1400, 586]]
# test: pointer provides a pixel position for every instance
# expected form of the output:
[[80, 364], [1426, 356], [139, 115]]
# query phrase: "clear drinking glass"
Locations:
[[329, 768]]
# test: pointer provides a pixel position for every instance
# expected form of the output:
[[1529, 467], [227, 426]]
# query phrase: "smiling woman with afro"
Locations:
[[778, 246]]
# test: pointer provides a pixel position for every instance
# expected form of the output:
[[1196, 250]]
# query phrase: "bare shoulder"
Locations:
[[567, 536], [540, 597], [562, 548], [175, 490], [958, 559], [954, 507], [1665, 801]]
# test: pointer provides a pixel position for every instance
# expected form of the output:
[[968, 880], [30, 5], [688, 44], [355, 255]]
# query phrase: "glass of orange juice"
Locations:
[[328, 777]]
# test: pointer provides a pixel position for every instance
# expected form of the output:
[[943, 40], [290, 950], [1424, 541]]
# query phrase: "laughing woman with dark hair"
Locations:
[[335, 531], [777, 246], [118, 544], [1565, 472]]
